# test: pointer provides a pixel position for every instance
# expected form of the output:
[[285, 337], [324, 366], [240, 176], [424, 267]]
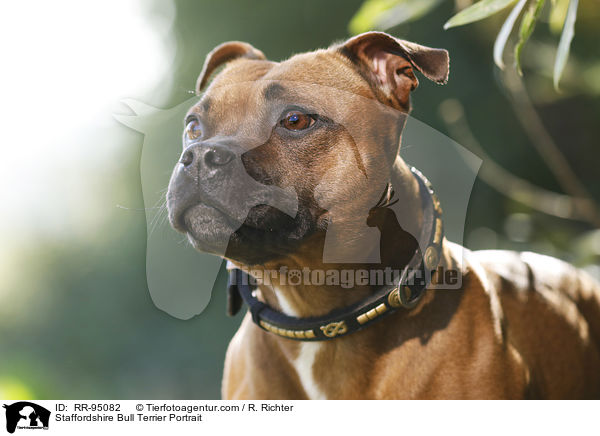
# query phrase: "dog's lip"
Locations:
[[185, 227], [181, 220]]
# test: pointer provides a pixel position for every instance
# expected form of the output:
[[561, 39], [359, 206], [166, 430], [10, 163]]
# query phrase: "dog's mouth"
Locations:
[[265, 233], [207, 227]]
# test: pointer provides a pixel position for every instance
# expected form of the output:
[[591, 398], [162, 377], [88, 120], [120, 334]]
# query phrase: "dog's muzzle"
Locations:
[[211, 193], [196, 179]]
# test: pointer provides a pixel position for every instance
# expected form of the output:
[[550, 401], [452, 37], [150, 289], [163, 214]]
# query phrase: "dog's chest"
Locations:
[[304, 365], [305, 362]]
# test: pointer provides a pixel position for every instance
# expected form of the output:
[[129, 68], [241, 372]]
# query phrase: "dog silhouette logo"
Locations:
[[26, 415]]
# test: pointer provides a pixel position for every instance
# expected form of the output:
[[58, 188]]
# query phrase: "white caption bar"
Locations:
[[297, 417]]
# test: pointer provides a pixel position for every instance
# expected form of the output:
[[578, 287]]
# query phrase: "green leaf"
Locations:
[[480, 10], [557, 15], [562, 53], [504, 33], [383, 14], [368, 14], [527, 25], [406, 11]]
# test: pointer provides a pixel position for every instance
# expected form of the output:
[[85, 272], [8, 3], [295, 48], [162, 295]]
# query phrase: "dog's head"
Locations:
[[274, 151]]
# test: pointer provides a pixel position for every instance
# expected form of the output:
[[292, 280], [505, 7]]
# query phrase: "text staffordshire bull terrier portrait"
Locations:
[[291, 171]]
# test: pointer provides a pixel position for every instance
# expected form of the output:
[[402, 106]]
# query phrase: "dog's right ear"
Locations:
[[224, 53], [388, 63]]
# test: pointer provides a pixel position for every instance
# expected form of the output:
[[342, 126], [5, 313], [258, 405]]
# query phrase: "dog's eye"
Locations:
[[192, 129], [296, 120]]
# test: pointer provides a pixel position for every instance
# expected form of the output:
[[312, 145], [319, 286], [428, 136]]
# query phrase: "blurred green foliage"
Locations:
[[79, 321]]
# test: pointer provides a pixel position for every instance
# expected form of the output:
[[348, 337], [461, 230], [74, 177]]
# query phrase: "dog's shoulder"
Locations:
[[527, 272], [551, 314], [553, 287]]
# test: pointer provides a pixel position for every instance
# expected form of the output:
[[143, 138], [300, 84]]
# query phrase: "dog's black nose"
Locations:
[[207, 156], [217, 157], [187, 158]]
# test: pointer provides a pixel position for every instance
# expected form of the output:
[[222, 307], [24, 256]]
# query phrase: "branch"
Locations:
[[548, 150], [506, 183]]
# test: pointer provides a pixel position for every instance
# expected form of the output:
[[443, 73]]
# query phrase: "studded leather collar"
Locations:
[[406, 293]]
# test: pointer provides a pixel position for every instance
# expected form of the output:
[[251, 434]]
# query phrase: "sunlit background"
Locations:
[[76, 319]]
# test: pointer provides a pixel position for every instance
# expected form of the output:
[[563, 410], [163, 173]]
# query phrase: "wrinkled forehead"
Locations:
[[321, 82]]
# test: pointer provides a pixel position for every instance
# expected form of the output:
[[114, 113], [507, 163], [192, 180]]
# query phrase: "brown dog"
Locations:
[[282, 169]]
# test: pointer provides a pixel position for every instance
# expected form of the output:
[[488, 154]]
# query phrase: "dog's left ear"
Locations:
[[389, 62], [224, 53]]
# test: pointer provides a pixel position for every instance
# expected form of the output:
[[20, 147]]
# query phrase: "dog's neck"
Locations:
[[305, 299]]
